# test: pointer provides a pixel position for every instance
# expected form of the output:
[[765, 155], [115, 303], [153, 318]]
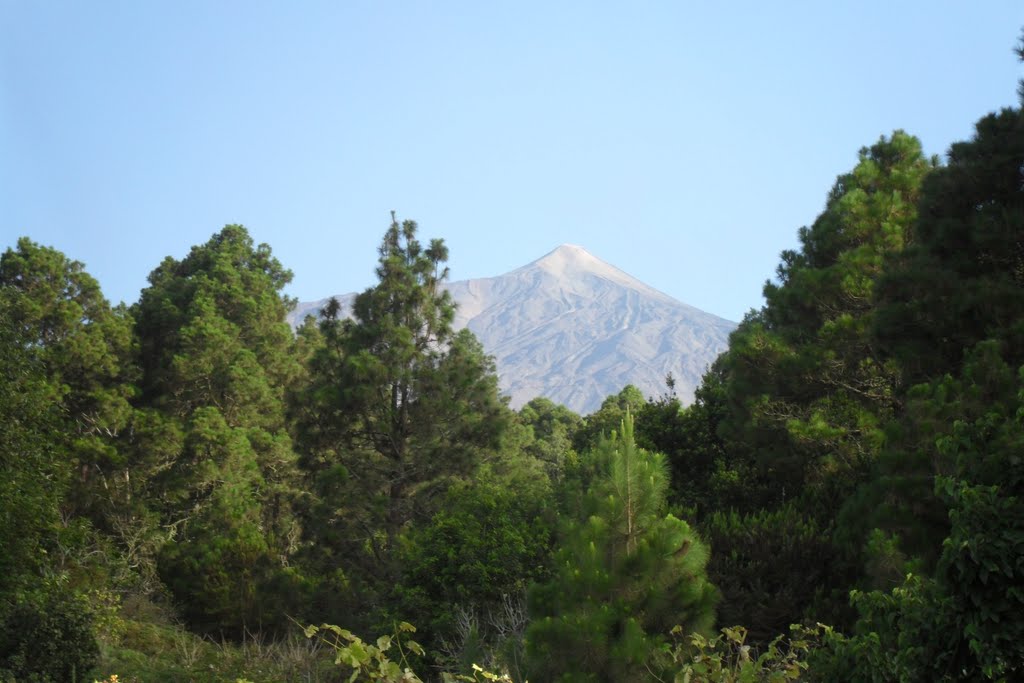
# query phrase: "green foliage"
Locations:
[[213, 445], [728, 659], [485, 543], [85, 349], [983, 557], [900, 501], [625, 573], [808, 396], [963, 280], [608, 417], [230, 277], [370, 661], [950, 311], [32, 482], [706, 476], [964, 623], [47, 638], [791, 421], [399, 406], [465, 573], [769, 566], [552, 428]]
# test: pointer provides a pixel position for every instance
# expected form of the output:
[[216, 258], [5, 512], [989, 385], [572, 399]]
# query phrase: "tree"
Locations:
[[625, 575], [963, 622], [963, 280], [552, 428], [33, 481], [608, 417], [808, 393], [791, 420], [399, 407], [465, 572], [46, 630], [218, 358], [86, 350], [769, 567], [960, 283], [949, 310]]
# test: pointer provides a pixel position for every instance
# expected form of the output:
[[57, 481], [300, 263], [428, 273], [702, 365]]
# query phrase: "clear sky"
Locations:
[[684, 142]]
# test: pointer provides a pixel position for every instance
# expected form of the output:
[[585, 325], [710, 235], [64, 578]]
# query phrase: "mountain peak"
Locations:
[[569, 249], [569, 263], [569, 258]]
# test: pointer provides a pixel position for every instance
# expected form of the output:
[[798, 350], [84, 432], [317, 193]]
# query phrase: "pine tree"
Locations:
[[399, 406], [218, 357], [808, 392], [86, 350], [960, 283], [626, 574], [963, 279], [33, 480]]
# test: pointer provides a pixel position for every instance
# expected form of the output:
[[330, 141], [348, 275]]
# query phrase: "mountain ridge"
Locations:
[[575, 329]]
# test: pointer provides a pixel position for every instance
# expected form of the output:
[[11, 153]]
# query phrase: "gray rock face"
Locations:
[[575, 329]]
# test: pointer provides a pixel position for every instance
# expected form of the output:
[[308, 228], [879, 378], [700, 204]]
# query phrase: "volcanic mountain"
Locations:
[[575, 329]]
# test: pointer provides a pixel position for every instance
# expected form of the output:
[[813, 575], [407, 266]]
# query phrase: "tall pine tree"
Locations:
[[399, 406]]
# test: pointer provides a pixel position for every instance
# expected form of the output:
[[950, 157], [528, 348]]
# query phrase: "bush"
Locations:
[[47, 638]]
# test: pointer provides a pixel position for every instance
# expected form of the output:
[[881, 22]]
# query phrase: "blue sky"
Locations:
[[683, 142]]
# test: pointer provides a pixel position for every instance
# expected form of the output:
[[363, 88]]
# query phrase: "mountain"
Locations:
[[576, 329]]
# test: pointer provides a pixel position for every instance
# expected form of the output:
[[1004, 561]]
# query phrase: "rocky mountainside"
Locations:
[[575, 329]]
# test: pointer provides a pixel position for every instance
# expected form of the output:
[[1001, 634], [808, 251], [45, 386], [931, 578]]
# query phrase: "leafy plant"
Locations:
[[370, 661], [727, 658]]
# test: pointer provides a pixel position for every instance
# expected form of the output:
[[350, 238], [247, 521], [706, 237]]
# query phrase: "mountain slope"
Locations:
[[575, 329]]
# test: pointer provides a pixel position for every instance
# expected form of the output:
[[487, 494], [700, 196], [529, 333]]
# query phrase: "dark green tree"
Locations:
[[963, 280], [963, 622], [625, 575], [46, 630], [47, 638], [808, 393], [33, 480], [769, 567], [949, 310], [399, 407], [792, 419], [86, 350], [465, 572], [218, 358]]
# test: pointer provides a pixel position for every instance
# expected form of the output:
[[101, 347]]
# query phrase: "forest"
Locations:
[[191, 491]]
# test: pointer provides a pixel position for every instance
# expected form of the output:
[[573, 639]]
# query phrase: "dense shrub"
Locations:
[[47, 639]]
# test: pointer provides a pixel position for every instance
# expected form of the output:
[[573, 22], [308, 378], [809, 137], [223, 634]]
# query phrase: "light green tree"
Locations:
[[625, 575]]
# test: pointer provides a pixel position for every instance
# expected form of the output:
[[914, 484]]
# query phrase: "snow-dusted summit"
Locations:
[[575, 329]]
